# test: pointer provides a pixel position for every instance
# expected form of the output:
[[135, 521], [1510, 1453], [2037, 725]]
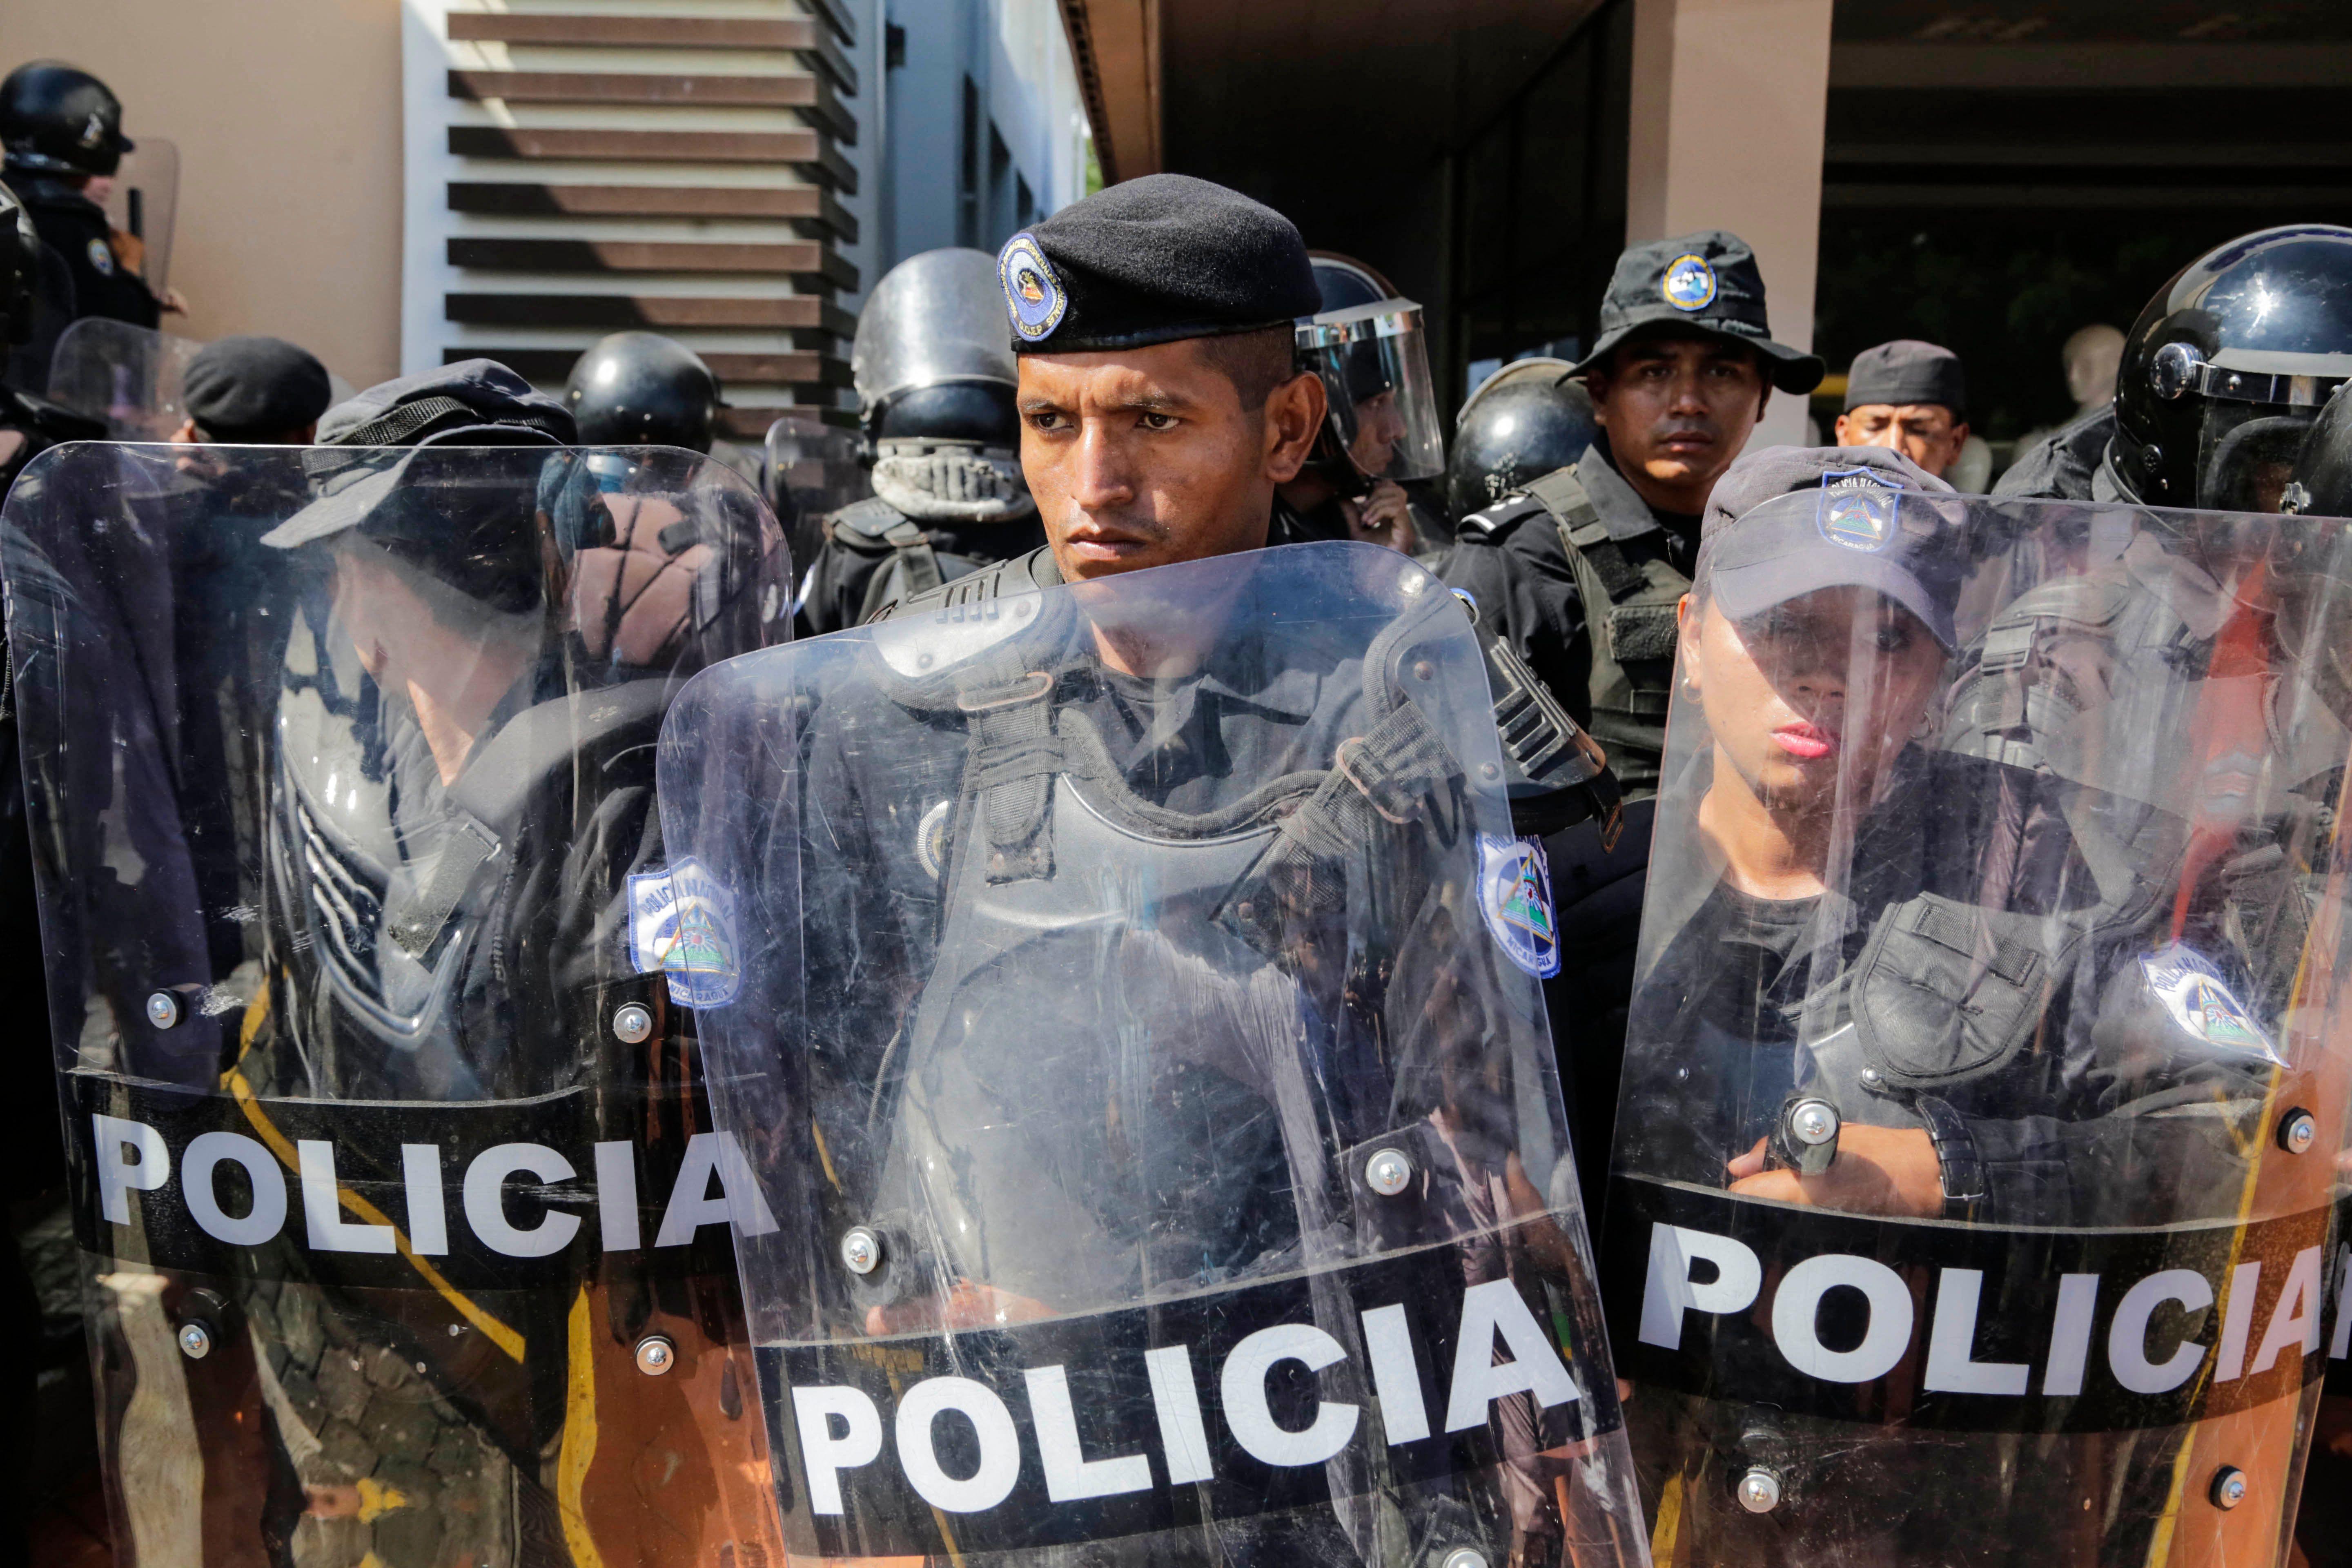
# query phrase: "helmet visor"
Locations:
[[1374, 362]]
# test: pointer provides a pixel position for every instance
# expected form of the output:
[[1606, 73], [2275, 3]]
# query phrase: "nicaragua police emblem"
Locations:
[[682, 925], [1689, 283], [1515, 895], [1032, 293], [1857, 508], [102, 256], [2193, 993]]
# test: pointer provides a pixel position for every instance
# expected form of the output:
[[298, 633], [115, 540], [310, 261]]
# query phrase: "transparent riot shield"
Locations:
[[813, 472], [392, 1159], [1989, 1060], [1124, 996], [142, 201], [131, 377]]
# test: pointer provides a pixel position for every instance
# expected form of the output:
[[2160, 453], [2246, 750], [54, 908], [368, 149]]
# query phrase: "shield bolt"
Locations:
[[2230, 1487], [196, 1340], [2298, 1130], [861, 1251], [1814, 1122], [1465, 1557], [633, 1024], [1388, 1172], [656, 1355], [1760, 1490], [162, 1009]]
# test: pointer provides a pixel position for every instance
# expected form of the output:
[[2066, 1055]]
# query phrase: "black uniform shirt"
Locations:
[[74, 227], [2068, 464], [1509, 557]]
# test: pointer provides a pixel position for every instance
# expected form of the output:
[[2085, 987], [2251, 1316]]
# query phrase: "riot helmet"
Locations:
[[1382, 420], [1523, 422], [2225, 368], [20, 268], [57, 119], [642, 389], [1345, 282], [935, 377]]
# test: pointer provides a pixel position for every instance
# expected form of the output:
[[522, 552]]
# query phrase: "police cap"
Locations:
[[1707, 284], [1150, 261], [1788, 521], [1908, 371]]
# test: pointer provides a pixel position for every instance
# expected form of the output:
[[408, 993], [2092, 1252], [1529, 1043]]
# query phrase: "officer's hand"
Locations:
[[1383, 517], [1878, 1169], [174, 302]]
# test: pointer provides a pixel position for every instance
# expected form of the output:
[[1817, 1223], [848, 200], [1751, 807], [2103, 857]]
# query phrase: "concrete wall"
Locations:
[[288, 118], [1730, 109]]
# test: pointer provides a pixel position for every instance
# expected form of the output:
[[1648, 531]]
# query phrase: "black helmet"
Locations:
[[20, 268], [1345, 282], [1522, 424], [641, 389], [2225, 368], [2322, 485], [55, 119]]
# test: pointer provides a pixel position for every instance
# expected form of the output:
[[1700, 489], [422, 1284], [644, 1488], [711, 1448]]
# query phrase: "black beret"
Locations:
[[1152, 260], [253, 387], [1906, 371]]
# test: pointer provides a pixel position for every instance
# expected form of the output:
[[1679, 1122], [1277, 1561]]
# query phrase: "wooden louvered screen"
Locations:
[[644, 165]]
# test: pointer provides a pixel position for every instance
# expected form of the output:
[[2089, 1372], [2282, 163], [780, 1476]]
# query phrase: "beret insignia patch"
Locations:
[[1689, 283], [1033, 295]]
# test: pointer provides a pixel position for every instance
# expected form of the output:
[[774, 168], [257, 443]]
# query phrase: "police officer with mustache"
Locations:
[[1579, 573]]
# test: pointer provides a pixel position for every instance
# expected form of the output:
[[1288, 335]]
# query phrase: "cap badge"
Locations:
[[94, 132], [1033, 295], [1689, 283], [1857, 508]]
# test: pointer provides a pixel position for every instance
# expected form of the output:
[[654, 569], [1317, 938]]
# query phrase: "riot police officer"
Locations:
[[28, 424], [375, 971], [62, 129], [1963, 1096], [249, 390], [935, 381], [2221, 374], [1211, 1044], [1580, 573]]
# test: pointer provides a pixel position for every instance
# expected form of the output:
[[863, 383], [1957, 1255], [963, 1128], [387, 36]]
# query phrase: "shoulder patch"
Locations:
[[682, 926], [1492, 522], [2194, 994], [1515, 895], [101, 258]]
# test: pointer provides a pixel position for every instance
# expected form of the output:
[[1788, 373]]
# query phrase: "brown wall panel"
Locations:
[[804, 150], [659, 31]]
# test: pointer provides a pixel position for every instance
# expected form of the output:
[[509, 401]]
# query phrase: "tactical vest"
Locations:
[[1629, 610]]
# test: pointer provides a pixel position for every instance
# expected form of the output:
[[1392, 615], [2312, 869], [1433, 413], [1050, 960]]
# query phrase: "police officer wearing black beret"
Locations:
[[1160, 404], [253, 390], [1580, 574]]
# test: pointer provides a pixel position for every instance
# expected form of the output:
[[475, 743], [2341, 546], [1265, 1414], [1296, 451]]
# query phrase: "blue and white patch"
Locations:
[[682, 925], [1033, 295], [102, 256], [1857, 508], [2192, 993], [1515, 895], [1689, 283]]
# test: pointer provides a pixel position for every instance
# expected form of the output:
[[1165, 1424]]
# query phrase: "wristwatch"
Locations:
[[1957, 1163]]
